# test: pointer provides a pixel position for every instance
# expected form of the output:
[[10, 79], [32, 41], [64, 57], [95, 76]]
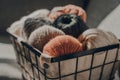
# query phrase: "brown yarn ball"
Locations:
[[73, 9], [67, 9], [42, 35], [62, 45]]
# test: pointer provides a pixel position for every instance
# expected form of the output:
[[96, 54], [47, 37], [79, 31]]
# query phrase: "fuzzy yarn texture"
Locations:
[[17, 27], [71, 24], [42, 35], [95, 38], [69, 66], [31, 24], [62, 45], [67, 9]]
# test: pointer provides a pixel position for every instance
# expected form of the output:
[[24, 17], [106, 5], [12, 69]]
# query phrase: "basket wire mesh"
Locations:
[[31, 69]]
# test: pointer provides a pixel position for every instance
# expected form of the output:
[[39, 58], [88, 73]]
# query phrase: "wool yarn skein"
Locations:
[[31, 24], [95, 38], [17, 27], [42, 35], [67, 9], [62, 45], [71, 24]]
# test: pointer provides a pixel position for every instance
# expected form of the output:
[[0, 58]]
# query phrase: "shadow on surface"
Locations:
[[8, 78]]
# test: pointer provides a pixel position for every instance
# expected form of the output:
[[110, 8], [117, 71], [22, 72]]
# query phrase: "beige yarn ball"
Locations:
[[17, 27], [42, 35], [94, 38]]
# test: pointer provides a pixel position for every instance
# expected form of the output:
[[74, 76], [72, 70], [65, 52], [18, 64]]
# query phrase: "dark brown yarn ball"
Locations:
[[42, 35], [70, 24], [62, 45]]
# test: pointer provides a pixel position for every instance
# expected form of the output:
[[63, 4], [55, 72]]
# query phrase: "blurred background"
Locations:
[[12, 10]]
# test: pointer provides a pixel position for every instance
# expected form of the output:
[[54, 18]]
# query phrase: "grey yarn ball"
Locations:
[[33, 23]]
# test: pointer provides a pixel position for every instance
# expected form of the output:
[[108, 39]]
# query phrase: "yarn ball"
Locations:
[[62, 45], [16, 28], [70, 24], [31, 24], [42, 35], [95, 38], [55, 12], [73, 9], [67, 9]]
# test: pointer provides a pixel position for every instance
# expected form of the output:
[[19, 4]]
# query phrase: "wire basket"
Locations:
[[92, 69]]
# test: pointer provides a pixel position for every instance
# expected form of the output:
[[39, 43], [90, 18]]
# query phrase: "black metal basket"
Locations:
[[24, 52]]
